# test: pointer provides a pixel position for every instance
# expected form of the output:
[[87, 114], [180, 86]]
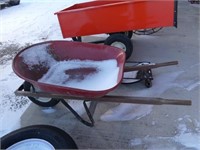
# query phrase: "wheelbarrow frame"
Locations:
[[55, 98], [107, 98], [65, 50]]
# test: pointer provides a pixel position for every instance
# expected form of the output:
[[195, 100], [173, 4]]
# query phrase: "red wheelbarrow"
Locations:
[[117, 18], [78, 62], [58, 70]]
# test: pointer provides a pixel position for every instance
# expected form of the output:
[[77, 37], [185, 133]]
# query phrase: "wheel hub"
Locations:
[[119, 45], [41, 99], [29, 144]]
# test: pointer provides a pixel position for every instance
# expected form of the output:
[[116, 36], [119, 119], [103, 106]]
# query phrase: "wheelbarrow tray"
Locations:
[[63, 51], [97, 17]]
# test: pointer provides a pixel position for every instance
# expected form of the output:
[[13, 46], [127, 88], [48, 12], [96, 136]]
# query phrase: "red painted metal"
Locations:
[[65, 50], [107, 16]]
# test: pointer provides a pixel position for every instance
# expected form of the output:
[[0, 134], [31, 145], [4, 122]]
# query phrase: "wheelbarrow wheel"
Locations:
[[43, 102], [148, 83], [38, 137], [120, 41]]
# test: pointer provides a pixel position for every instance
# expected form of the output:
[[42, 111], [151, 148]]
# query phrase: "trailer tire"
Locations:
[[46, 102], [120, 41], [129, 34], [42, 135]]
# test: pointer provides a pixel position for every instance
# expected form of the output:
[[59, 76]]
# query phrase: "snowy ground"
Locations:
[[165, 127], [20, 26]]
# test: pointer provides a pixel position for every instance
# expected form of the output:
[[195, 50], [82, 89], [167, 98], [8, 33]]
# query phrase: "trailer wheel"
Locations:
[[120, 41], [38, 137], [129, 34], [43, 102]]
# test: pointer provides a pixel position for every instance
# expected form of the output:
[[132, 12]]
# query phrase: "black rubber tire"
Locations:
[[123, 39], [58, 138], [129, 34], [13, 3], [148, 83], [52, 101]]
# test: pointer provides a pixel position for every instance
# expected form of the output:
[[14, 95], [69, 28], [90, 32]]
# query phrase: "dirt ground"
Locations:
[[166, 126]]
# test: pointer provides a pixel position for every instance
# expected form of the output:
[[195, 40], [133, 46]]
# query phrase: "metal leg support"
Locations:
[[90, 116]]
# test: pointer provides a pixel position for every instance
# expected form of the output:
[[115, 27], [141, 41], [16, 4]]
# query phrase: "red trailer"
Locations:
[[116, 17]]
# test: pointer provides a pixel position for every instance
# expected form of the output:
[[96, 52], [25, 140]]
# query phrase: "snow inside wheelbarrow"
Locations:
[[71, 68]]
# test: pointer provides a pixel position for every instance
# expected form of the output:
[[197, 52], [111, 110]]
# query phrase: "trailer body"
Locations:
[[109, 16]]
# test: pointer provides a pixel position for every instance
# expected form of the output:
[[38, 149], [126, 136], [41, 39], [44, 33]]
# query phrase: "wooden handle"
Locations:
[[110, 98], [150, 66]]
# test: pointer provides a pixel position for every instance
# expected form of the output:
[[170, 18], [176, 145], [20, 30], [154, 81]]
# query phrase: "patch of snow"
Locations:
[[182, 128], [104, 74], [197, 125], [186, 137], [193, 86], [136, 141], [148, 143], [125, 112], [48, 110], [22, 24], [183, 140], [179, 119], [11, 106], [189, 140], [38, 55]]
